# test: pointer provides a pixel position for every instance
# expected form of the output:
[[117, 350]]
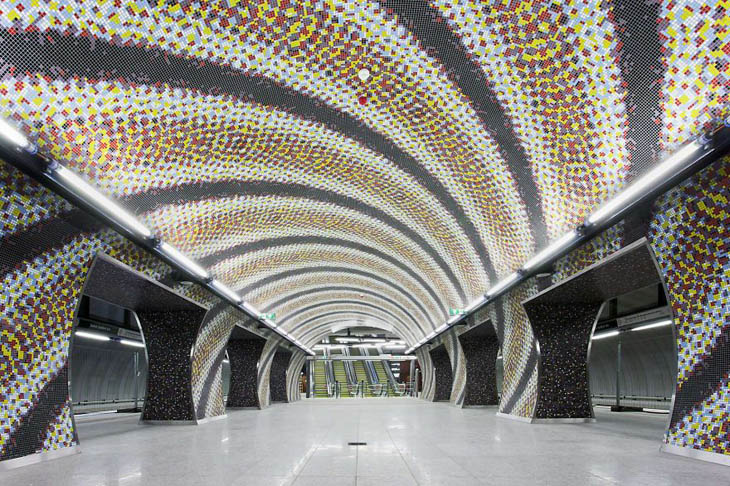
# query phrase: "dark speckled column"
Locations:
[[480, 352], [169, 337], [444, 377], [563, 332], [244, 355], [562, 319], [277, 378]]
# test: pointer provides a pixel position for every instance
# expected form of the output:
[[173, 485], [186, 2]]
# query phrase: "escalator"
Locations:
[[362, 377], [320, 380], [341, 378]]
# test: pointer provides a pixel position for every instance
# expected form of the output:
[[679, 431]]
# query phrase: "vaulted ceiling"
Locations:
[[248, 135]]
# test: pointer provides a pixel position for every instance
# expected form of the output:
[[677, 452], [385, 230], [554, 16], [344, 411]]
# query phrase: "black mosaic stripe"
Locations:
[[340, 302], [707, 377], [509, 405], [330, 269], [323, 329], [29, 434], [338, 288], [155, 198], [432, 31], [185, 193], [336, 313], [304, 309], [209, 379], [52, 52], [234, 251], [640, 60], [34, 240]]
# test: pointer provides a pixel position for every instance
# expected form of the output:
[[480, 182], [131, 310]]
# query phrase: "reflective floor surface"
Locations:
[[409, 442]]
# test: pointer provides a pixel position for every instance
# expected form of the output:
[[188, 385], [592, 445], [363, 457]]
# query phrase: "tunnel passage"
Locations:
[[169, 324], [480, 345], [443, 374], [244, 354], [563, 317]]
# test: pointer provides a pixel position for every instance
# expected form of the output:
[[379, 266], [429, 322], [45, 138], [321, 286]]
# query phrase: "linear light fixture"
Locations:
[[653, 325], [605, 335], [374, 340], [639, 187], [75, 184], [13, 135], [503, 284], [343, 339], [92, 335], [551, 250], [226, 291], [482, 299], [75, 189], [127, 342], [445, 326], [186, 263], [249, 308]]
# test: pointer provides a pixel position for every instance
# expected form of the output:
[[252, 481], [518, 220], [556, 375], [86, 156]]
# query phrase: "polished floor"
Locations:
[[409, 442]]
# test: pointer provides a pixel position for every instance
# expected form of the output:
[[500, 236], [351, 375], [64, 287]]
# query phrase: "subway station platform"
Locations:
[[408, 442]]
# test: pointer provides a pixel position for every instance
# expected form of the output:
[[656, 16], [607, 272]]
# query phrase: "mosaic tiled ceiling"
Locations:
[[372, 163]]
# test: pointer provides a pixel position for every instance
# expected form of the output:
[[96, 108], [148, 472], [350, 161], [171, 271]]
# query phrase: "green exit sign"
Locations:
[[270, 316], [455, 312]]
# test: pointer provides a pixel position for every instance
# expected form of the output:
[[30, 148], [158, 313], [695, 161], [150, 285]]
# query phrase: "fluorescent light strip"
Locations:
[[503, 284], [182, 260], [13, 135], [604, 335], [71, 181], [476, 304], [91, 335], [132, 343], [551, 250], [347, 339], [91, 195], [374, 340], [653, 325], [250, 309], [671, 165], [225, 290]]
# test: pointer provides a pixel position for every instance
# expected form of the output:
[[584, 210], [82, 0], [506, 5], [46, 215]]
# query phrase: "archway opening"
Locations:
[[360, 362]]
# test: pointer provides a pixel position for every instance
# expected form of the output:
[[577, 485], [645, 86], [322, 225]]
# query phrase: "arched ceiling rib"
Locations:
[[237, 133]]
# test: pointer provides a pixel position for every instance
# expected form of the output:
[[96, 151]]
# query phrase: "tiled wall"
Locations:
[[298, 361], [207, 363], [690, 237]]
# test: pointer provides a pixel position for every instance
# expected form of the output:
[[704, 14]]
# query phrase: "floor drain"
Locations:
[[357, 443]]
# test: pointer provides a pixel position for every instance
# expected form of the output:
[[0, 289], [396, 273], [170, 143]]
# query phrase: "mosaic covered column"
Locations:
[[563, 333], [480, 352], [443, 374], [277, 376], [169, 337], [208, 355], [244, 355], [297, 363], [690, 237]]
